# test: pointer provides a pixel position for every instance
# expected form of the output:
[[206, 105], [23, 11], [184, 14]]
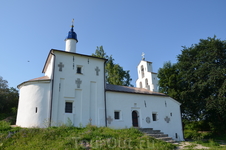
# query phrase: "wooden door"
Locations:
[[135, 118]]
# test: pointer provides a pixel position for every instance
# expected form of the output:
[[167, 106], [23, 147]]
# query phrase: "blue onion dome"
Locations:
[[72, 34]]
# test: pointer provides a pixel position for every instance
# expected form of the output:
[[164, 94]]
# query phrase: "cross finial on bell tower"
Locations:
[[72, 25], [143, 56]]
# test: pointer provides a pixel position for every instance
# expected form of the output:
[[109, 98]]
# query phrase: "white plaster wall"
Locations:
[[32, 95], [85, 107], [70, 45], [149, 67], [50, 67], [163, 106], [155, 81]]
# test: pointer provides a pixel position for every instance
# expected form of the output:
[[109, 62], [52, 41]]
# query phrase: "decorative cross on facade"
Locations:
[[97, 71], [78, 82], [60, 65], [143, 56], [167, 119], [109, 119]]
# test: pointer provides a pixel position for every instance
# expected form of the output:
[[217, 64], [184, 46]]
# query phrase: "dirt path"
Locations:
[[187, 145]]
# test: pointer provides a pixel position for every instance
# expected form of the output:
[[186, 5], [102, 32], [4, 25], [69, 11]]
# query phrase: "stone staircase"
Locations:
[[157, 134]]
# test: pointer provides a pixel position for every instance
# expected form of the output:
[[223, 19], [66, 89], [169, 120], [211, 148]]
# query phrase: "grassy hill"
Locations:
[[66, 137]]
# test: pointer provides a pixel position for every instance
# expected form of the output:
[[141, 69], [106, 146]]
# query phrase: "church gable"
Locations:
[[77, 73], [53, 51]]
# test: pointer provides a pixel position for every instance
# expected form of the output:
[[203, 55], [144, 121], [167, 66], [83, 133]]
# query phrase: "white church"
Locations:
[[73, 89]]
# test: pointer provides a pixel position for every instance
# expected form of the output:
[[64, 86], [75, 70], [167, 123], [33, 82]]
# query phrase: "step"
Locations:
[[165, 138], [145, 129], [154, 132], [158, 135]]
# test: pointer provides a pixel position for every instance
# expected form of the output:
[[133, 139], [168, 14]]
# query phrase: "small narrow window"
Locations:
[[176, 135], [154, 116], [36, 109], [79, 70], [117, 115], [68, 107], [171, 114]]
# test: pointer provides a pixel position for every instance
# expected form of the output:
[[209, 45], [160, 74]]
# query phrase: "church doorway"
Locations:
[[135, 118]]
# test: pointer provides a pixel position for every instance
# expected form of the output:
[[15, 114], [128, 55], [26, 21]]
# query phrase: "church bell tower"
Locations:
[[147, 79], [71, 40]]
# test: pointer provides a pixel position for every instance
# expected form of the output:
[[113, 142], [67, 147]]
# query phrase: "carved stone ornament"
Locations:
[[60, 65], [78, 82], [97, 71], [109, 119], [148, 119], [167, 119]]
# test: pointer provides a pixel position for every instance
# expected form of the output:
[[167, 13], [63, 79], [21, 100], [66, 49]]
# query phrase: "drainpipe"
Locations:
[[105, 104], [51, 98]]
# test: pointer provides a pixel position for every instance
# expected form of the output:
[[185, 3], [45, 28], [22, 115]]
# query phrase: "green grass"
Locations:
[[196, 135], [69, 138], [212, 144], [207, 139]]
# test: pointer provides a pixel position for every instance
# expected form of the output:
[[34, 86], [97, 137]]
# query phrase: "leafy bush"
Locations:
[[196, 130], [4, 126], [3, 116]]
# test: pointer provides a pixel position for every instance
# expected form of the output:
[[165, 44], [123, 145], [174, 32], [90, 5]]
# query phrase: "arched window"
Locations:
[[142, 71], [146, 84], [141, 85]]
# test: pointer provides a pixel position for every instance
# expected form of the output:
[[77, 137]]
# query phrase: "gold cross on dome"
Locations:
[[72, 22]]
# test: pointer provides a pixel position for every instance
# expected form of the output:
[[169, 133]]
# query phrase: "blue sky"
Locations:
[[125, 28]]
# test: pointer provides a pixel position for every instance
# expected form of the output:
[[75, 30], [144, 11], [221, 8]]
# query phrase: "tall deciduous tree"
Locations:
[[200, 82], [8, 98], [114, 72]]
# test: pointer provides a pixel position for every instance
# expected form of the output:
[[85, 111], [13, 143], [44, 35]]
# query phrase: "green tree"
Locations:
[[198, 81], [170, 81], [114, 72], [8, 99]]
